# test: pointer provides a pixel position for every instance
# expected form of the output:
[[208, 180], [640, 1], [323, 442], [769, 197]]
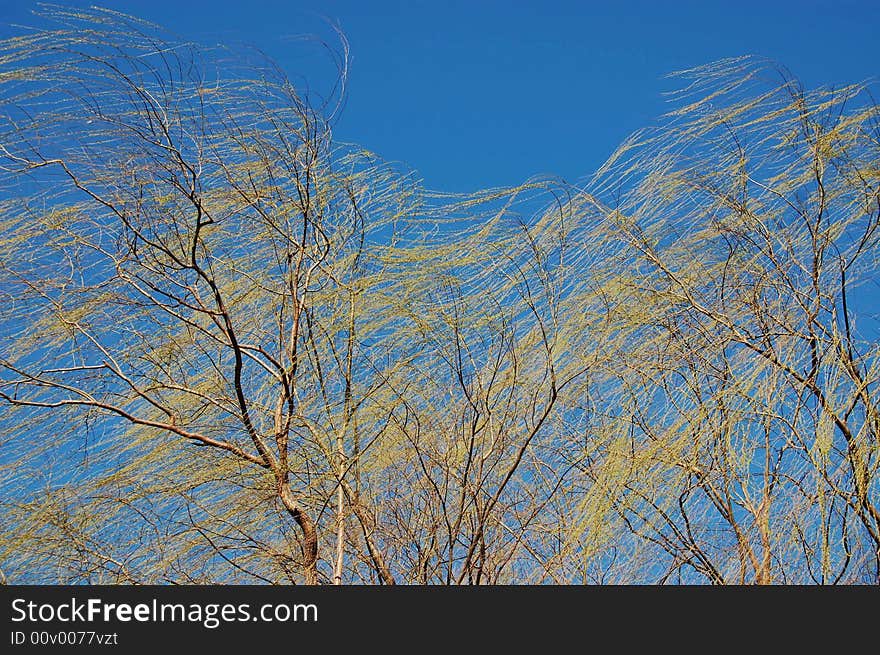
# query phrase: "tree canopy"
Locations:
[[237, 351]]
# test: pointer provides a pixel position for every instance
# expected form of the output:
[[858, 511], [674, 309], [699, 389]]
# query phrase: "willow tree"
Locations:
[[236, 351], [212, 320], [744, 240], [181, 263]]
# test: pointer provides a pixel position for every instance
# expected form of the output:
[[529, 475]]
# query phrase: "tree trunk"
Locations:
[[309, 533]]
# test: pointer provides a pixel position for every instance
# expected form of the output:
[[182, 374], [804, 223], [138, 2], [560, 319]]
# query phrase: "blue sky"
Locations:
[[482, 93]]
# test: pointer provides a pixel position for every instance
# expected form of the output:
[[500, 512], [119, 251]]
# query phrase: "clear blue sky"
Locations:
[[474, 94]]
